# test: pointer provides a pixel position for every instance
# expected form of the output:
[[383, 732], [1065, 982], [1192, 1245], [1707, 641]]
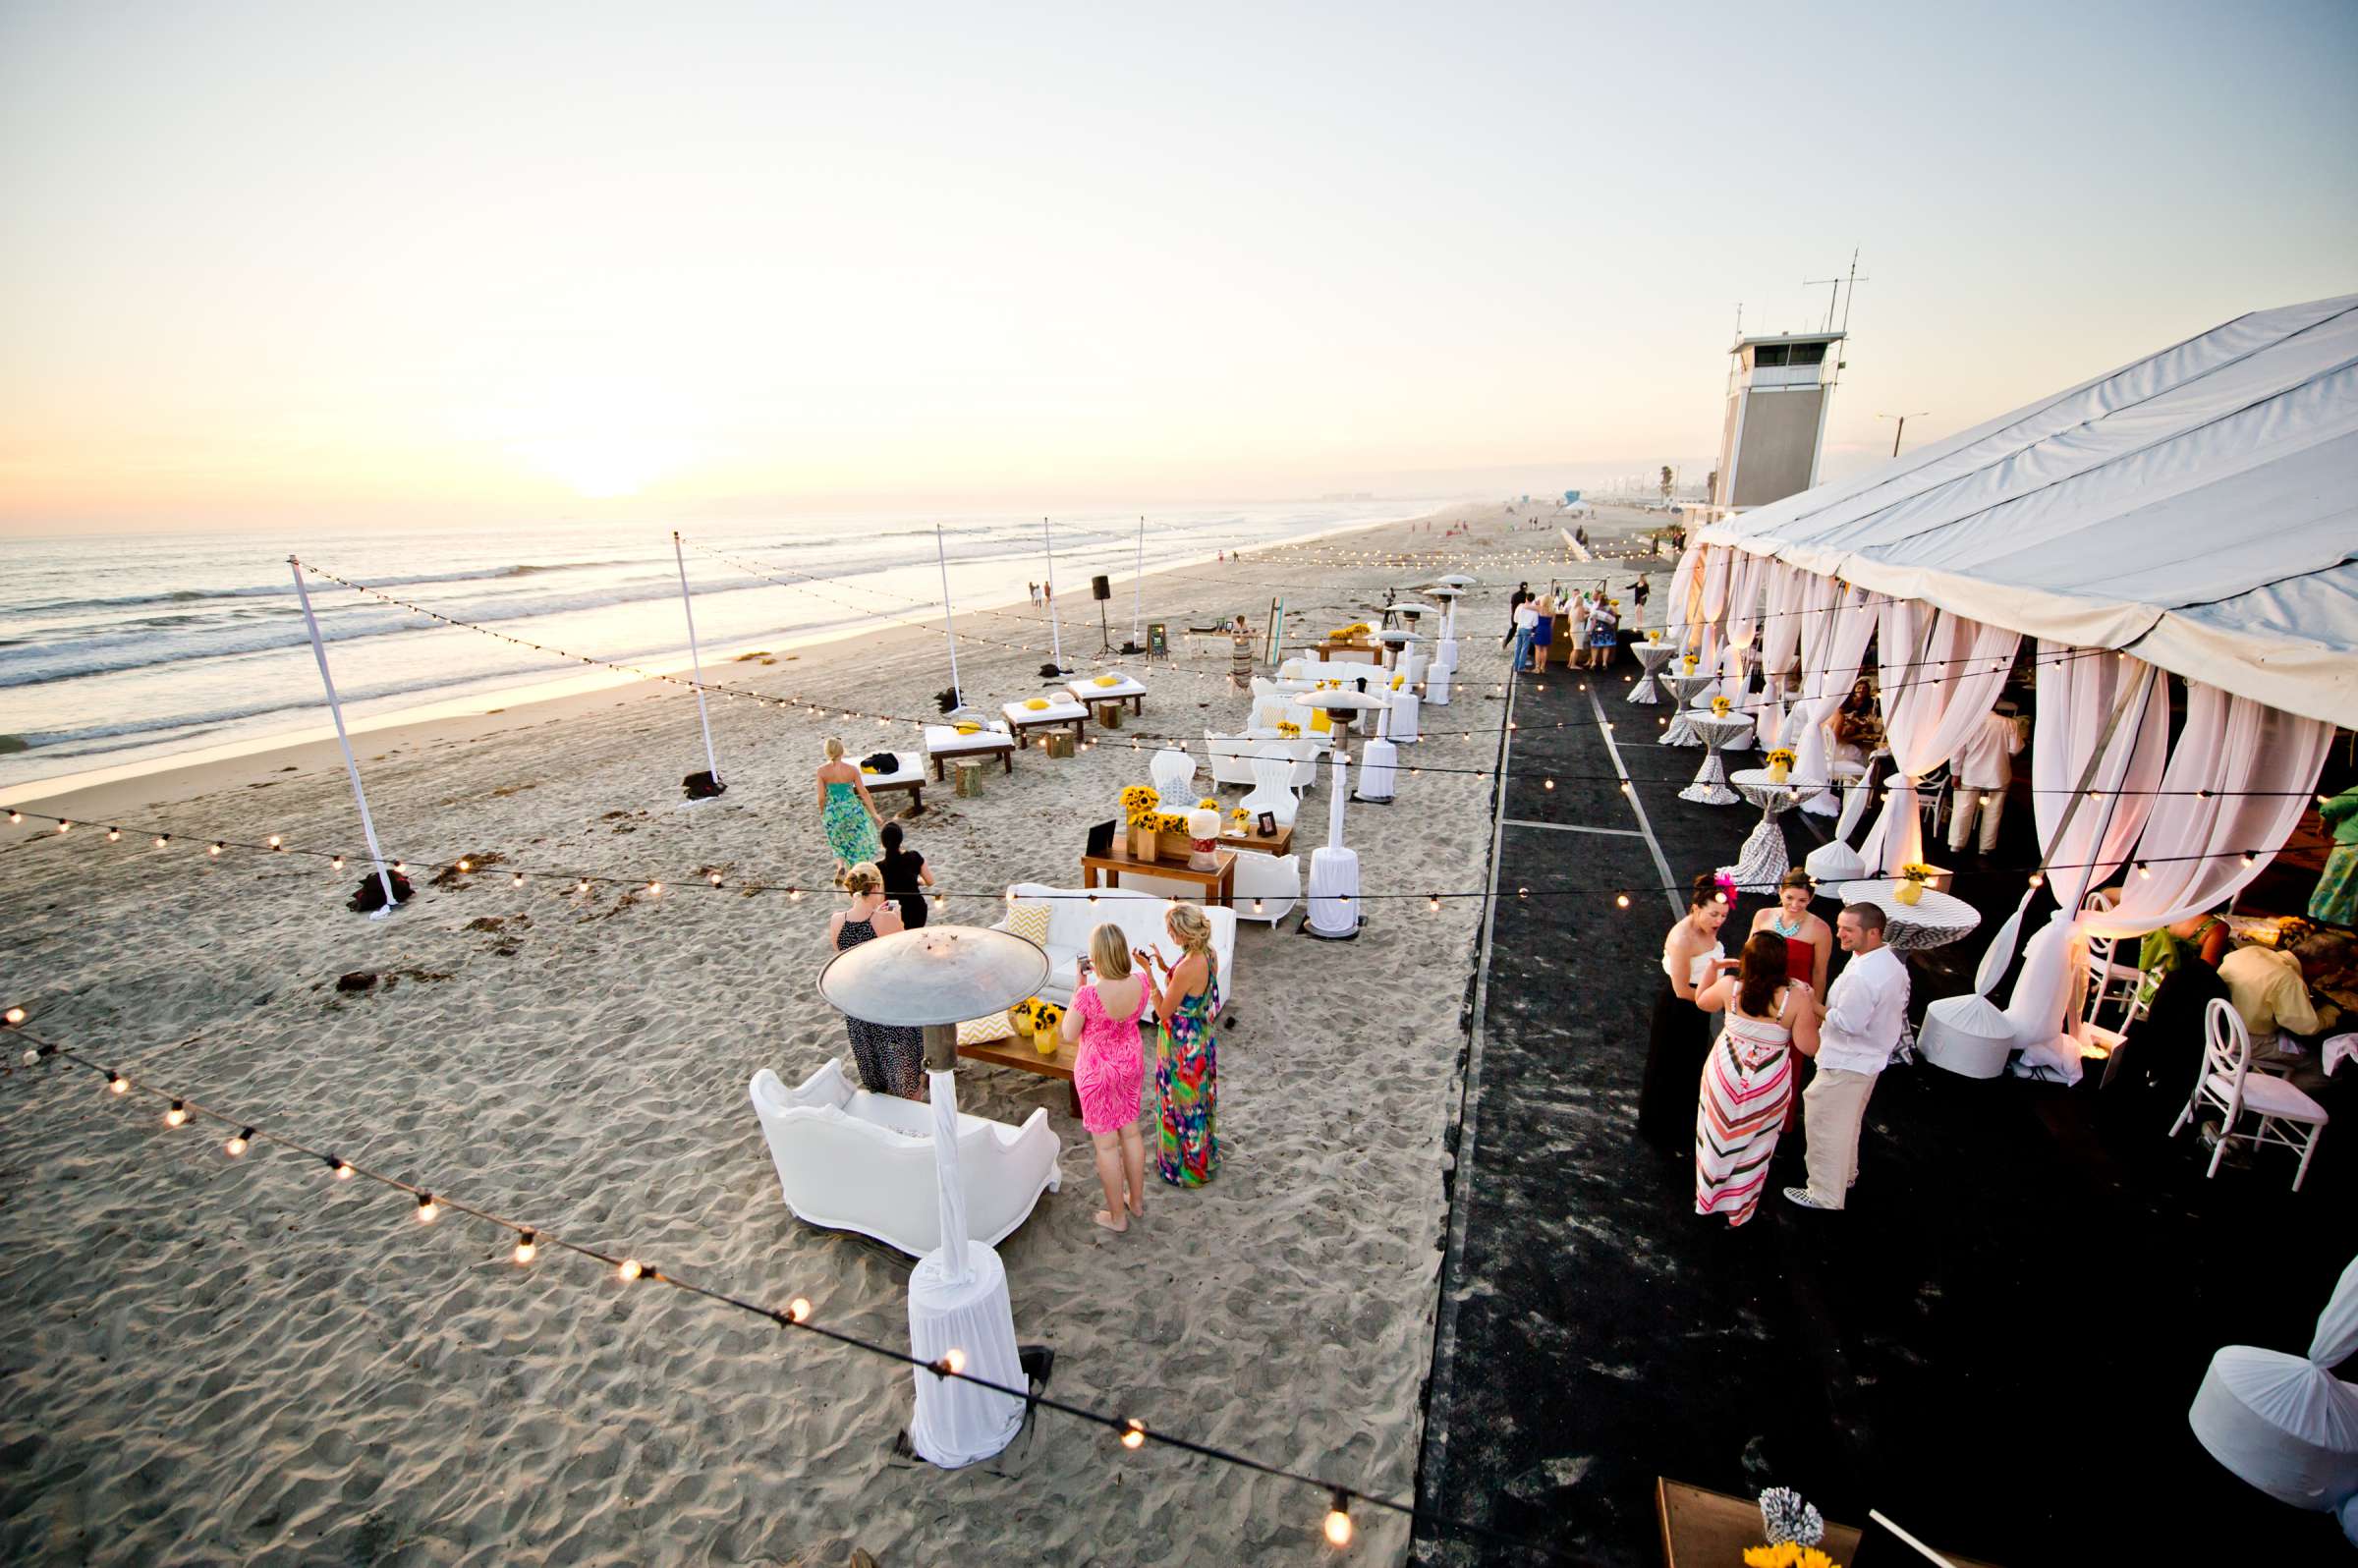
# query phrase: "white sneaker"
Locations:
[[1801, 1195]]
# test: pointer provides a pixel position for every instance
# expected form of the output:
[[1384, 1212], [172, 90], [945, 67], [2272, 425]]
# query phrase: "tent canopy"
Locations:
[[2198, 508]]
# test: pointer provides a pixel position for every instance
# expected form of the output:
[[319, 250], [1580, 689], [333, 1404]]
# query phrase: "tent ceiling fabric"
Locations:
[[2198, 507]]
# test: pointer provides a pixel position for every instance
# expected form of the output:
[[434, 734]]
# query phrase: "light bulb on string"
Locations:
[[581, 887], [427, 1208], [1622, 900], [799, 1308], [713, 877], [114, 835], [117, 1084], [162, 839], [466, 866], [1134, 1434], [175, 1114], [516, 880], [336, 864], [630, 1270], [215, 847], [14, 1016], [277, 843], [954, 1358], [238, 1142], [1338, 1519], [527, 1244]]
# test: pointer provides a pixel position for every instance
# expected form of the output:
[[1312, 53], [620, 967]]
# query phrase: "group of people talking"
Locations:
[[1732, 1095]]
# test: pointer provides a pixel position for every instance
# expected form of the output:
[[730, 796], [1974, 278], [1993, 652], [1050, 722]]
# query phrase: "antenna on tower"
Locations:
[[1838, 290], [1850, 294]]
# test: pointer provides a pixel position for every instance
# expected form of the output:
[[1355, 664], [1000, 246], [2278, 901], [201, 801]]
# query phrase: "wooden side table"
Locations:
[[1219, 885]]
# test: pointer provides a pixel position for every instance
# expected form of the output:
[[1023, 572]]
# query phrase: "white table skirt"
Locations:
[[1764, 860], [1711, 780]]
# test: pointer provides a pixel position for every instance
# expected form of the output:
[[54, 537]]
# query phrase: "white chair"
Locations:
[[1268, 886], [1173, 771], [1273, 784], [2227, 1081], [851, 1160], [1073, 916], [2107, 981], [1230, 757]]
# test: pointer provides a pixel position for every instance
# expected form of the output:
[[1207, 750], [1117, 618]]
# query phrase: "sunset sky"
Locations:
[[275, 263]]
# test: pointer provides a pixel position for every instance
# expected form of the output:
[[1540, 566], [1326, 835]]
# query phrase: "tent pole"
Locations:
[[696, 659], [352, 768], [950, 626]]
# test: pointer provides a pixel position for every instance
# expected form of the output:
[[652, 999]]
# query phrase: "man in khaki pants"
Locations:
[[1865, 1008]]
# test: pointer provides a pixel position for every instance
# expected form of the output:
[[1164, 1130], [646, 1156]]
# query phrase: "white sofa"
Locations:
[[1231, 757], [851, 1160], [1072, 916], [1275, 881]]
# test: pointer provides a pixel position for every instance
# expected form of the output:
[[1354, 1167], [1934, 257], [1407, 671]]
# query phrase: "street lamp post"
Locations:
[[1901, 427]]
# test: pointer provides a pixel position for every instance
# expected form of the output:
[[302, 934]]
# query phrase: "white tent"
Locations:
[[2198, 508]]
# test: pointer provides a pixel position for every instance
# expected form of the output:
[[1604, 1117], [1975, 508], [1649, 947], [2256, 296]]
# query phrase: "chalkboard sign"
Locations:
[[1159, 641]]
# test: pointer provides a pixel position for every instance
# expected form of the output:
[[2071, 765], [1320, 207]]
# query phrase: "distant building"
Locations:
[[1778, 389]]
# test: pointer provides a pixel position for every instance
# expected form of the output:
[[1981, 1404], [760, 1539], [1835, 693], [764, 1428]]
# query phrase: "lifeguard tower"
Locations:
[[1778, 390]]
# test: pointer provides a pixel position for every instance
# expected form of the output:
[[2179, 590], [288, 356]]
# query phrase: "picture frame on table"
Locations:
[[1268, 823]]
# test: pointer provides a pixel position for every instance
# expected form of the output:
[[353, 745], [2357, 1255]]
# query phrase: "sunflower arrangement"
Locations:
[[1780, 763], [1719, 706], [1208, 804], [1913, 878], [1287, 729], [1137, 803], [1239, 815], [1787, 1554]]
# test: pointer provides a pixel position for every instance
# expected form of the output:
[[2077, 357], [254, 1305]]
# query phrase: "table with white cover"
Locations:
[[1763, 859], [1684, 690], [1716, 732], [1652, 656], [1934, 920]]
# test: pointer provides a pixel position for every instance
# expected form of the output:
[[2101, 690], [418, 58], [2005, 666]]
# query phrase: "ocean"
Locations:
[[130, 652]]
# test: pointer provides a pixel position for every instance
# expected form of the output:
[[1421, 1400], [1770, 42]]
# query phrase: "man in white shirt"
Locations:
[[1983, 768], [1865, 1008], [1526, 619]]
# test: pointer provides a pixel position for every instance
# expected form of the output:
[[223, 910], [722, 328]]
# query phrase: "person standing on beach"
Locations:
[[1522, 592], [1034, 588], [1187, 1083], [846, 811], [891, 1057], [1864, 1013], [1108, 1069], [904, 878], [1680, 1039]]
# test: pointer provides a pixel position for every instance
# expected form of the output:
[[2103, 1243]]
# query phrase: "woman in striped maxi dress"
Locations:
[[1748, 1080]]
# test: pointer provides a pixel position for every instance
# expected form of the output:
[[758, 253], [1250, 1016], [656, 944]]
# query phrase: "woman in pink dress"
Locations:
[[1108, 1069]]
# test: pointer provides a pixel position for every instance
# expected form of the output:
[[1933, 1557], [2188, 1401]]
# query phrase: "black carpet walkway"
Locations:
[[1996, 1344]]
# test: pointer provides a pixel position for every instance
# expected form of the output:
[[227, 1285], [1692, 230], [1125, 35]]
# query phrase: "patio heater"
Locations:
[[1333, 868], [933, 978], [1444, 668], [1379, 753]]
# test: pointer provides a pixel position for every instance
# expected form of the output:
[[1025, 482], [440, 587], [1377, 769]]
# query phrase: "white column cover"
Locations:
[[1957, 679], [2285, 1423], [2077, 692]]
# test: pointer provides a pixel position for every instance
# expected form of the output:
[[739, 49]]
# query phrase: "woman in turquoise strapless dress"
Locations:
[[846, 811]]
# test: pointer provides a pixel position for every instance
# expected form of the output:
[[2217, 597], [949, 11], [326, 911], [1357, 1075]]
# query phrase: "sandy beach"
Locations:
[[219, 1360]]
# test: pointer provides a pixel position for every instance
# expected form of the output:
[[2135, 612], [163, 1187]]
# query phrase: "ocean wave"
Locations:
[[285, 589]]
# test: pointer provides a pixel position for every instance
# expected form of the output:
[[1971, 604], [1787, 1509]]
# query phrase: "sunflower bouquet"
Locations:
[[1719, 706], [1287, 729], [1913, 878], [1139, 802], [1780, 764]]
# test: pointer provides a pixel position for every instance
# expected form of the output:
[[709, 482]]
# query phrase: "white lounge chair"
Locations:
[[944, 742], [851, 1160], [1060, 713], [1122, 687]]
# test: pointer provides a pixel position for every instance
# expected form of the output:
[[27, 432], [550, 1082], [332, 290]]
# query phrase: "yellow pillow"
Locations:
[[1320, 723], [983, 1031], [864, 768], [1398, 681], [968, 727], [1029, 922], [1109, 680], [1035, 704]]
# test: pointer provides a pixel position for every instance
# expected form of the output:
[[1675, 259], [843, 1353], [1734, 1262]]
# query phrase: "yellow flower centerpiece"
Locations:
[[1719, 706], [1287, 729], [1138, 809], [1208, 804], [1780, 764], [1046, 1017], [1240, 817], [1912, 879], [1787, 1554], [1686, 665]]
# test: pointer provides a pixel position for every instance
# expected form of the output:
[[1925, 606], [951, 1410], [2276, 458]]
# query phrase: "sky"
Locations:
[[264, 265]]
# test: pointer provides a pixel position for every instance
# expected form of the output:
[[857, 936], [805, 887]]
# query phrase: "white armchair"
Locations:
[[1268, 886], [851, 1160], [1273, 783], [1173, 771]]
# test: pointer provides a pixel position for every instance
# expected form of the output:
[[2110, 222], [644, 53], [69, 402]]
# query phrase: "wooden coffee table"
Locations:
[[1703, 1528], [1018, 1053], [1219, 885]]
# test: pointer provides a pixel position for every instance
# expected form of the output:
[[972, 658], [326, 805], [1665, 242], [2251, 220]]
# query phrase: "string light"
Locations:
[[466, 866], [215, 847], [275, 843], [954, 1358], [1622, 900], [341, 1171], [630, 1270], [1338, 1520], [162, 839], [516, 880], [114, 835], [1134, 1436], [427, 1208], [799, 1309], [713, 878], [175, 1114], [15, 816], [15, 1016], [238, 1142], [116, 1083], [336, 864], [654, 889], [581, 887], [526, 1246]]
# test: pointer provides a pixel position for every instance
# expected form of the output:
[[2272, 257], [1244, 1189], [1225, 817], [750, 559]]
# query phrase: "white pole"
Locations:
[[384, 879], [696, 659], [1055, 632], [950, 628], [1137, 614]]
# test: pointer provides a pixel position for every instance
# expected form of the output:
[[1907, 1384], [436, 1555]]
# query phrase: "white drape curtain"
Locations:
[[1831, 668], [2078, 692], [1716, 566], [1745, 578], [1680, 606], [1781, 634], [1956, 679]]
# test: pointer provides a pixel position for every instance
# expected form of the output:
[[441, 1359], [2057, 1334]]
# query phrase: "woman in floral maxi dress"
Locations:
[[1187, 1056]]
